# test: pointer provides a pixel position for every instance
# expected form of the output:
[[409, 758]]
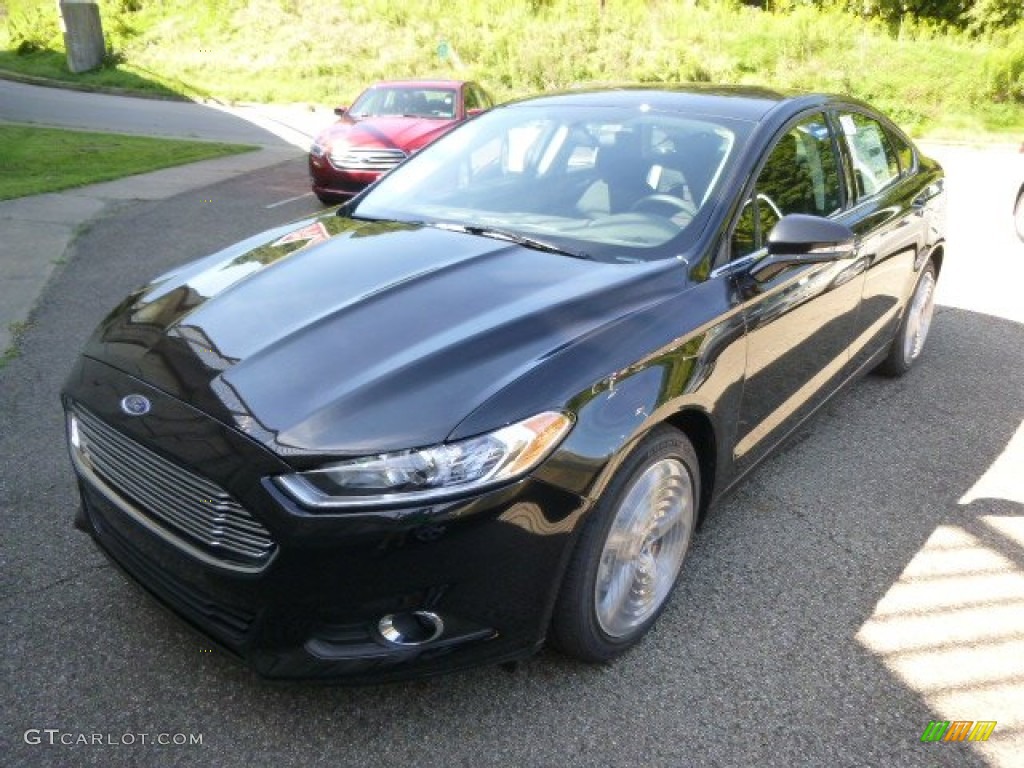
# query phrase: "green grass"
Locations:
[[936, 81], [16, 329], [36, 160]]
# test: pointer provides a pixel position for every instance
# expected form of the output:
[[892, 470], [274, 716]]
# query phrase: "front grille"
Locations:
[[356, 159], [174, 498], [228, 623]]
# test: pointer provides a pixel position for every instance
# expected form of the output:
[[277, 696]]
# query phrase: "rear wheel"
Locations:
[[913, 331], [630, 553]]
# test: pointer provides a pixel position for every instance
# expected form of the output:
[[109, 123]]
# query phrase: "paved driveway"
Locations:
[[245, 124]]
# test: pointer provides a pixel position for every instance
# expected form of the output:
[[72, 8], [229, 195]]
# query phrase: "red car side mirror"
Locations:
[[474, 112]]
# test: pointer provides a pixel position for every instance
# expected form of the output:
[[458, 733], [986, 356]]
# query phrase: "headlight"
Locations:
[[428, 474], [325, 145]]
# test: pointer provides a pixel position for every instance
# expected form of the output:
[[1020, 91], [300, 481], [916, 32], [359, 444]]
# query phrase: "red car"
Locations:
[[388, 122]]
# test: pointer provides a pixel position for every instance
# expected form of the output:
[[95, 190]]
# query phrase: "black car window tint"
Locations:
[[801, 175], [744, 236], [904, 153], [875, 163], [819, 153]]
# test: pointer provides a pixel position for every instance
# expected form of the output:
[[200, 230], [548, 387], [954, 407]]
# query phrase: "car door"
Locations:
[[887, 215], [801, 320]]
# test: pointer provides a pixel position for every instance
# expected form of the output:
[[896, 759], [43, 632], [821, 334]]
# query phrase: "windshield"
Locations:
[[405, 102], [612, 183]]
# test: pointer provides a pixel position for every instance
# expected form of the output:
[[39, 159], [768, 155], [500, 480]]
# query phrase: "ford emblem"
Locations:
[[135, 405]]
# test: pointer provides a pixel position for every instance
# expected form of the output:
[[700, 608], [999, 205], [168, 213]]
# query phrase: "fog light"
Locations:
[[410, 629]]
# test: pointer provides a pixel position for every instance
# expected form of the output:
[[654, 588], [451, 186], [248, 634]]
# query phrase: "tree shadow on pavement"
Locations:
[[49, 65]]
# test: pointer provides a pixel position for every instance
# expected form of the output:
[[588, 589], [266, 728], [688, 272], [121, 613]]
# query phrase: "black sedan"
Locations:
[[486, 403]]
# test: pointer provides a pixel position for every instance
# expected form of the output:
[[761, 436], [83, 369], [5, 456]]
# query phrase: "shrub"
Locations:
[[33, 30]]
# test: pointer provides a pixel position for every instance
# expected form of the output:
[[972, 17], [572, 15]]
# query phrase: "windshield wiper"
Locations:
[[513, 237]]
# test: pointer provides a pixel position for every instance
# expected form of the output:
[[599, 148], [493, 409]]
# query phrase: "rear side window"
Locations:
[[903, 152], [876, 164]]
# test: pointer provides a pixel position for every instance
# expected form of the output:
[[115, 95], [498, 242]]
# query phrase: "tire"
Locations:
[[913, 331], [624, 568]]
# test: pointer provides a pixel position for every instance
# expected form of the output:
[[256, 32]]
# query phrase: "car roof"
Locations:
[[731, 101], [419, 83]]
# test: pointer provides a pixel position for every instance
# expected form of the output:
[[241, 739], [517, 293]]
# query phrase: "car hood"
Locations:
[[343, 337], [406, 133]]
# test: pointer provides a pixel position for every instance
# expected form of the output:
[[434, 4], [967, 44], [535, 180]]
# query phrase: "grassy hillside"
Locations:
[[935, 82]]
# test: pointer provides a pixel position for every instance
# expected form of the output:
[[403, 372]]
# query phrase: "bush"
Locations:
[[1004, 68], [987, 16], [33, 30]]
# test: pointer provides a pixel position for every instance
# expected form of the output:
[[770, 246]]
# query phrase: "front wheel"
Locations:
[[630, 553], [913, 330]]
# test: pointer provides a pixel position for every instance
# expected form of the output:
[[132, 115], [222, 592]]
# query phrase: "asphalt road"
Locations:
[[262, 126], [865, 581]]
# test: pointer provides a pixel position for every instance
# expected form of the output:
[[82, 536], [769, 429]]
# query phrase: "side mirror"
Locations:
[[802, 239], [474, 112], [340, 111]]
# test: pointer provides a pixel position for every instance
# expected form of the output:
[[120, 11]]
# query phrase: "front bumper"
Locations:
[[487, 566], [331, 182]]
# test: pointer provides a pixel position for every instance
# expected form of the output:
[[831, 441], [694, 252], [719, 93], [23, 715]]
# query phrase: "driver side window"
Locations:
[[801, 175]]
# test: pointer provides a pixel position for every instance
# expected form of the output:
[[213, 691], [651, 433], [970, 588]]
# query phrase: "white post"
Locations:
[[83, 34]]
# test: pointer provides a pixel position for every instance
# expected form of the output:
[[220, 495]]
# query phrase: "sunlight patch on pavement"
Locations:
[[296, 124], [1002, 480], [952, 629]]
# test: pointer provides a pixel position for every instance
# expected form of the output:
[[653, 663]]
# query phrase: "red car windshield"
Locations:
[[405, 102]]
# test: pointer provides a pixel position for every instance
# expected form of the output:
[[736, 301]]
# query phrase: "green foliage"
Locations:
[[112, 58], [985, 16], [979, 16], [1004, 69], [32, 29], [901, 54]]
